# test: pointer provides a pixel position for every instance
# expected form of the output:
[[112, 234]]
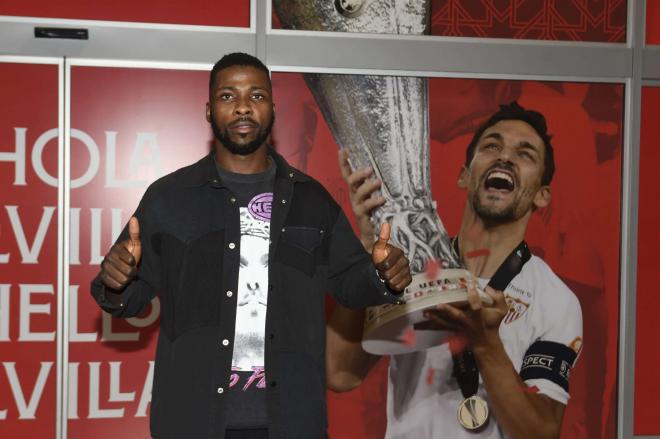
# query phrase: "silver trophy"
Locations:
[[383, 123]]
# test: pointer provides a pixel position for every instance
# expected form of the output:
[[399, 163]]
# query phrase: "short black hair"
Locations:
[[237, 59], [515, 111]]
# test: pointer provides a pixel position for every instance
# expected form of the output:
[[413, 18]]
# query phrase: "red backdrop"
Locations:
[[149, 122], [153, 125], [197, 12], [28, 249], [131, 125], [647, 355], [652, 22]]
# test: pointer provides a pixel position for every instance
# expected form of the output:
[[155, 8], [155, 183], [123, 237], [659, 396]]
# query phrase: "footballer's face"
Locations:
[[503, 179]]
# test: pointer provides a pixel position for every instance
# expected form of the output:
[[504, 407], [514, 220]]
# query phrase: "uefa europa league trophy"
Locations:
[[383, 123]]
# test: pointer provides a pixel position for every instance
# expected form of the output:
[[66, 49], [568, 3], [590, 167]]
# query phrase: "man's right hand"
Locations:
[[361, 188], [120, 264]]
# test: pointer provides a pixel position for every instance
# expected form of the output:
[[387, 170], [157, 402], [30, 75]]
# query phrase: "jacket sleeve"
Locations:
[[137, 295], [353, 279]]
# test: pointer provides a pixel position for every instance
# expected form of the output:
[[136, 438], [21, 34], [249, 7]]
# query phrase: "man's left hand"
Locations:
[[392, 265]]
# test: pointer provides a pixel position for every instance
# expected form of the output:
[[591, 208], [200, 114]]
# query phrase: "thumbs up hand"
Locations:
[[134, 245], [390, 262], [119, 267]]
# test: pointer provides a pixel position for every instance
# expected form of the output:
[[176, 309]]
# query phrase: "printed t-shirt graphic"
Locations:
[[248, 356]]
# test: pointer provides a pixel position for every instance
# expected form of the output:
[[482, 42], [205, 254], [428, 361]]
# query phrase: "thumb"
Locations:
[[135, 246], [384, 234], [380, 250]]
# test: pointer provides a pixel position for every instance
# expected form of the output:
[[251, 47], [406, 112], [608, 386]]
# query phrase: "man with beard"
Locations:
[[508, 361], [241, 247]]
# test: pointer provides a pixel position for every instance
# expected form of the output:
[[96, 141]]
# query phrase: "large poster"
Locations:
[[28, 249], [578, 235]]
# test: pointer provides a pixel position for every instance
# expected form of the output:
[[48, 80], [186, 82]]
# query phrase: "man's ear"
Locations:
[[463, 177], [543, 197], [208, 112]]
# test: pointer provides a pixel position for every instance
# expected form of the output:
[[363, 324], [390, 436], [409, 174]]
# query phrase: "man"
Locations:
[[524, 345], [240, 248]]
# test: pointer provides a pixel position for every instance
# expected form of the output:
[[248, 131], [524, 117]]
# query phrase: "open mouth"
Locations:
[[499, 180]]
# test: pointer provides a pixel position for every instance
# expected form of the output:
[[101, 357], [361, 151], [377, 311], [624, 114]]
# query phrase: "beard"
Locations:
[[492, 214], [222, 135]]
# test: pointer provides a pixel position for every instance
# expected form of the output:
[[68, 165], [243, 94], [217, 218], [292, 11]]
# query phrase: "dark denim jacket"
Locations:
[[190, 233]]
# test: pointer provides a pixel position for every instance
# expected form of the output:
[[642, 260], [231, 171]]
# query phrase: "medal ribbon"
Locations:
[[465, 368]]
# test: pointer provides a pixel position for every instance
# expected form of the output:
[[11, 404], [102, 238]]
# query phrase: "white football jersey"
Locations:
[[423, 397]]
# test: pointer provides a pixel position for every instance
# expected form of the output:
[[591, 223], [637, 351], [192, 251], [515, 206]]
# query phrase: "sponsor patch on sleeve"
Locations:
[[548, 360]]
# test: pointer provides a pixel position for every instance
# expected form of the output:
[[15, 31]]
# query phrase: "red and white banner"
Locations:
[[129, 126], [28, 249]]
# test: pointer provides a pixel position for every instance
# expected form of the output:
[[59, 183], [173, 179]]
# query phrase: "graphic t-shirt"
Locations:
[[246, 404]]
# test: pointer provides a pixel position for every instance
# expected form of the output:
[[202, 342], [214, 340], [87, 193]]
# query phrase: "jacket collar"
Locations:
[[204, 171]]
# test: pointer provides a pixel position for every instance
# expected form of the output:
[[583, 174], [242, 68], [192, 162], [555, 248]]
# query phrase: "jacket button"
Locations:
[[271, 336], [225, 342], [283, 201], [221, 390], [230, 293], [232, 199], [232, 245]]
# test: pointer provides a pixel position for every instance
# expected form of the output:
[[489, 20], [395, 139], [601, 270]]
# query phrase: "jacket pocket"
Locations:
[[301, 248]]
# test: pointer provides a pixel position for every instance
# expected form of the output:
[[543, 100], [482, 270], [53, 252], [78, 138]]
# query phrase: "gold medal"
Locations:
[[473, 413]]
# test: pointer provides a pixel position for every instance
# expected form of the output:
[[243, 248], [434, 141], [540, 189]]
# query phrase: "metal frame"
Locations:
[[629, 216], [197, 47], [651, 65], [65, 207]]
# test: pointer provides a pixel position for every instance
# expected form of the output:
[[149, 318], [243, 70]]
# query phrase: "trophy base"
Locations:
[[389, 328]]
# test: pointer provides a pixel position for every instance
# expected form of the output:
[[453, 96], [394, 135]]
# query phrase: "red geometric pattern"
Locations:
[[569, 20]]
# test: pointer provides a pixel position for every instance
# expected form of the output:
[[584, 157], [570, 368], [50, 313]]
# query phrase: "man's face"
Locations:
[[240, 109], [504, 177]]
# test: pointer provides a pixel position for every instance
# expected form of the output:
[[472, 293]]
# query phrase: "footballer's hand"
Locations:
[[362, 187]]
